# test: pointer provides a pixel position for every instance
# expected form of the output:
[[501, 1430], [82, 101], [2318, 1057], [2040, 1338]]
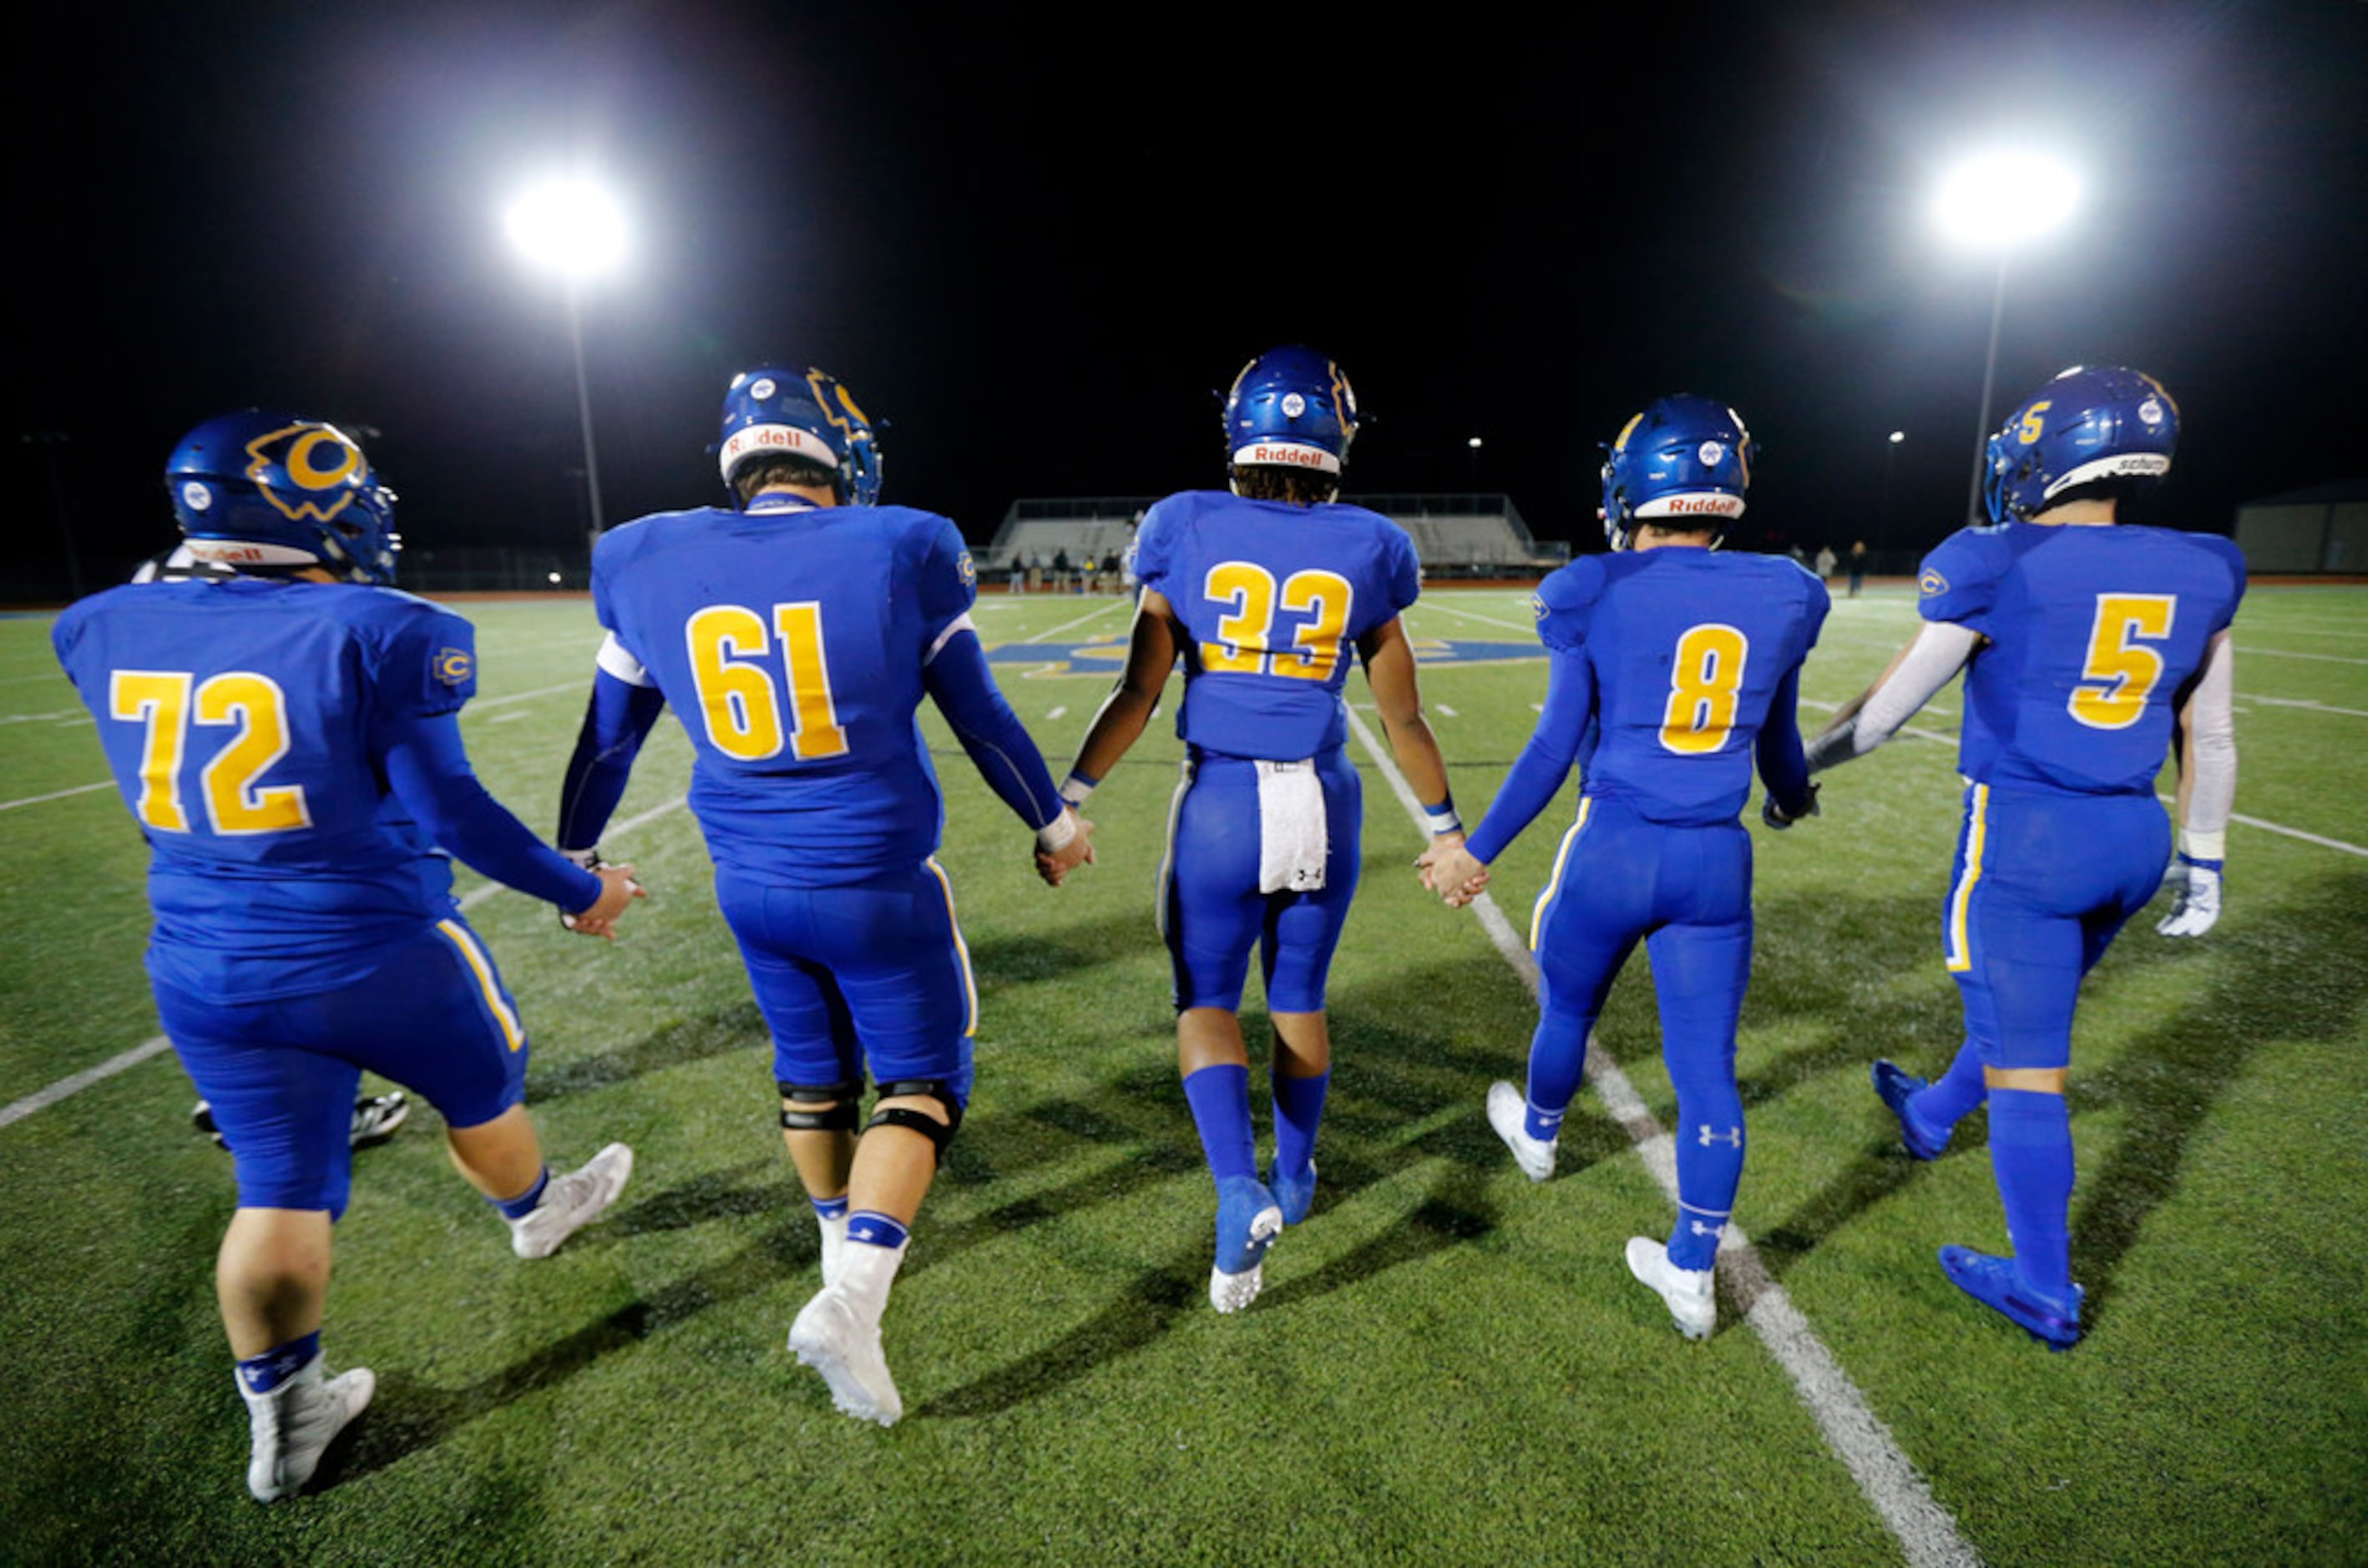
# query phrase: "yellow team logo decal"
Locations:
[[967, 570], [1931, 583], [317, 459], [453, 666]]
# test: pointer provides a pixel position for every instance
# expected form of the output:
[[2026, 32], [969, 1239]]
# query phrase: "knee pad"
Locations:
[[938, 1133], [841, 1117]]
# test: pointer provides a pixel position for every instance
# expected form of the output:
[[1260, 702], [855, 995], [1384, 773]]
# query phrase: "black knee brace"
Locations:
[[842, 1117], [938, 1133]]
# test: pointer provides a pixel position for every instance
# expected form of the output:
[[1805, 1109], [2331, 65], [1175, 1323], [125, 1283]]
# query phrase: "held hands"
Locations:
[[1063, 846], [1449, 871], [618, 888], [2198, 906], [1777, 817]]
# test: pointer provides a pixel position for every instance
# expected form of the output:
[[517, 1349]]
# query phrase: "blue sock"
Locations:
[[261, 1374], [521, 1206], [874, 1229], [1298, 1112], [2030, 1152], [829, 1207], [1557, 1059], [1710, 1159], [1220, 1099], [1952, 1097]]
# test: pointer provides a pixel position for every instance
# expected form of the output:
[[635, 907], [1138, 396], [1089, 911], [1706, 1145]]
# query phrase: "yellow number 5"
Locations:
[[2122, 672], [1705, 681]]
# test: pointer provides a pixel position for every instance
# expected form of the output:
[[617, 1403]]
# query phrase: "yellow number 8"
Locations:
[[1704, 682]]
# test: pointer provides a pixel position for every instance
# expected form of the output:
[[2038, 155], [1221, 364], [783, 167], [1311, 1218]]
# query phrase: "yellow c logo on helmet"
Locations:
[[303, 461]]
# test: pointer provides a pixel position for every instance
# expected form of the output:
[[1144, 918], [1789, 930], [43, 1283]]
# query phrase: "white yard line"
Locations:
[[2253, 651], [1100, 610], [1530, 626], [57, 795], [1926, 1531], [156, 1045]]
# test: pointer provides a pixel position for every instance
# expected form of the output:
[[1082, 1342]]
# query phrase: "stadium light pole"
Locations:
[[2000, 202], [574, 229]]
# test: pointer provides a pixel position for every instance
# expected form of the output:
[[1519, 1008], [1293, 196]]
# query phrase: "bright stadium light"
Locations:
[[1998, 202], [574, 229]]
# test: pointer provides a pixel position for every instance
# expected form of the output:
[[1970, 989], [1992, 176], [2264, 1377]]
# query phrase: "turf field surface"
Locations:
[[1448, 1365]]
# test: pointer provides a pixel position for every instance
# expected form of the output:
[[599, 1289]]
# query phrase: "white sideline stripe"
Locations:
[[2252, 651], [74, 1084], [1926, 1532], [479, 705], [57, 795], [2262, 822], [1529, 626], [2302, 703]]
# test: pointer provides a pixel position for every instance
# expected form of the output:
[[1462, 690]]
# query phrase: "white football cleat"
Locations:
[[572, 1201], [834, 1338], [1687, 1291], [294, 1425], [1508, 1114]]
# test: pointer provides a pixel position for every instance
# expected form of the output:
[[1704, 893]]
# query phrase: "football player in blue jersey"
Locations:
[[2090, 647], [284, 728], [795, 633], [1266, 590], [1673, 668]]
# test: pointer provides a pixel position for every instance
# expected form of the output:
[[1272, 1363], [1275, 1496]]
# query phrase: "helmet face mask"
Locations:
[[263, 490], [796, 412], [1291, 408], [2105, 425], [1684, 462]]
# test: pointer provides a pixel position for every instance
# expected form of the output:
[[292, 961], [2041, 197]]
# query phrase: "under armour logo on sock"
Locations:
[[1733, 1137], [1713, 1232]]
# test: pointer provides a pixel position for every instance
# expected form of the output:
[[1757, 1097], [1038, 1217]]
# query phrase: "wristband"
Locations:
[[2197, 863], [2212, 847], [1442, 819], [588, 859], [1058, 834], [1077, 787]]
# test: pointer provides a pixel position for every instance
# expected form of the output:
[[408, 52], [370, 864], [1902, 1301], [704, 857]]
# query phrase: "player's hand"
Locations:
[[1449, 871], [2198, 905], [618, 888], [1779, 819], [1053, 865]]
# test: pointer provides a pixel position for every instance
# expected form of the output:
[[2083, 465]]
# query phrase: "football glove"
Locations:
[[1780, 820], [2198, 905]]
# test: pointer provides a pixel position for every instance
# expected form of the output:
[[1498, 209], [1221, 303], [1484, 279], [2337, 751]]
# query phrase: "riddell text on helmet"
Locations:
[[1296, 457]]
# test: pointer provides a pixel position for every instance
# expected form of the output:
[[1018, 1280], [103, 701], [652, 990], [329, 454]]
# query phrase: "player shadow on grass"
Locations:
[[2296, 979], [2288, 972], [1061, 955], [410, 1416], [735, 1027]]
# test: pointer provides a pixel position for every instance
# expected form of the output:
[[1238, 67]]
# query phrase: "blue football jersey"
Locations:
[[243, 720], [2092, 631], [1686, 648], [790, 640], [1272, 598]]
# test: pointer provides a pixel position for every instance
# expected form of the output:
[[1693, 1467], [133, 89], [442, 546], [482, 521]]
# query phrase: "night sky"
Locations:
[[1034, 240]]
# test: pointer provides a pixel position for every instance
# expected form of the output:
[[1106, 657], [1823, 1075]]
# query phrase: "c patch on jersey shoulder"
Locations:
[[966, 569], [453, 666], [1932, 583], [1538, 606]]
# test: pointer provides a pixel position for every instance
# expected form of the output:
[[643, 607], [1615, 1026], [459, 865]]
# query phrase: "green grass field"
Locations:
[[1448, 1365]]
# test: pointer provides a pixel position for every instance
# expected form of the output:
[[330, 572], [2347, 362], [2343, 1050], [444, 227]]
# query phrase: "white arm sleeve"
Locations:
[[624, 665], [2210, 724], [1939, 651]]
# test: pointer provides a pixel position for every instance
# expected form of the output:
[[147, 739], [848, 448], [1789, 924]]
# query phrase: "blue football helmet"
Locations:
[[793, 410], [1685, 460], [2088, 424], [1291, 407], [268, 489]]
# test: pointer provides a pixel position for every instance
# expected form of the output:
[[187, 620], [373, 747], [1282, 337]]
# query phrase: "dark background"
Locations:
[[1035, 241]]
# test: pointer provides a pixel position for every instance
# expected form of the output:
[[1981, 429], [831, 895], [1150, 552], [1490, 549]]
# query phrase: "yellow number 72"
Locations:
[[234, 802]]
